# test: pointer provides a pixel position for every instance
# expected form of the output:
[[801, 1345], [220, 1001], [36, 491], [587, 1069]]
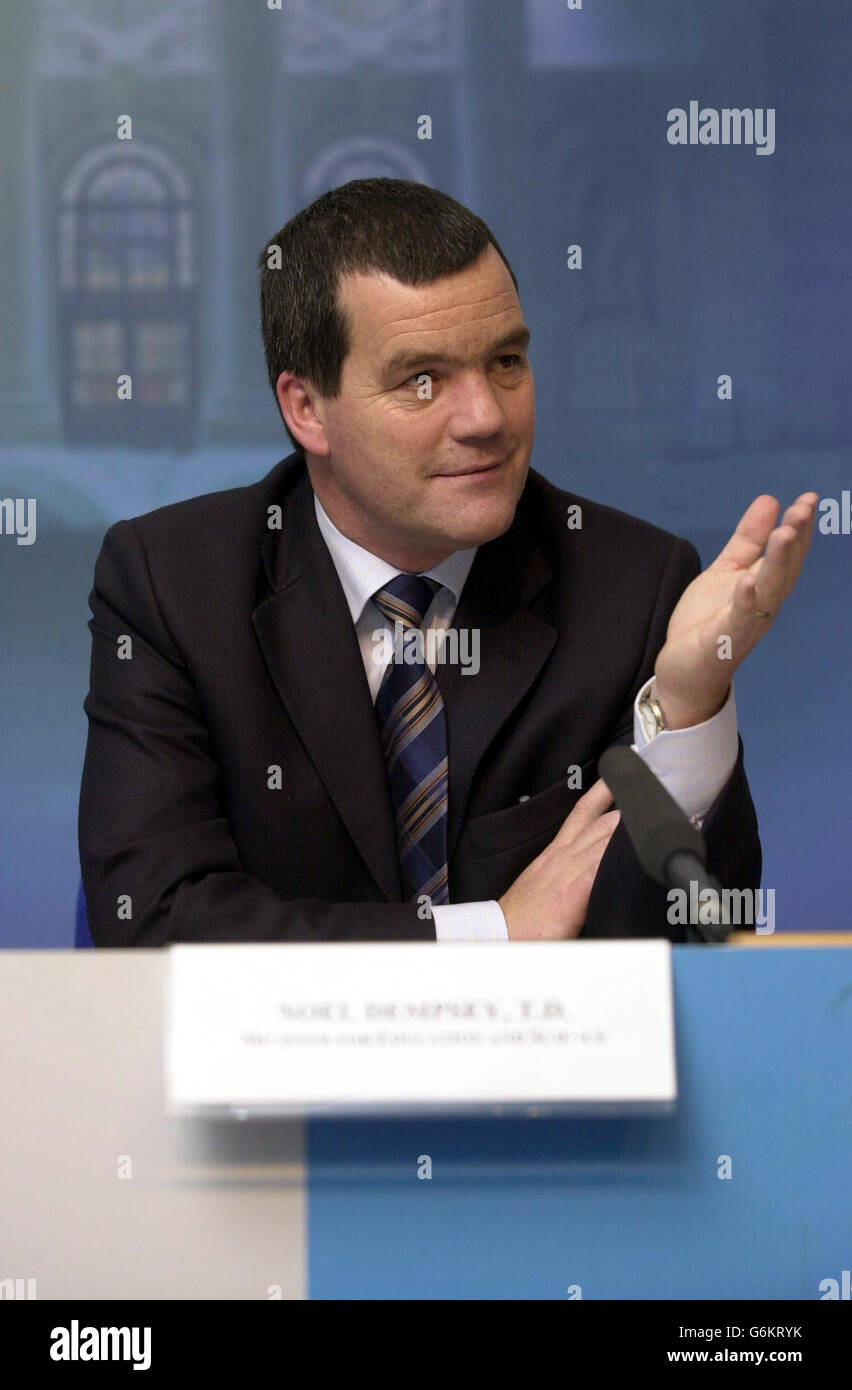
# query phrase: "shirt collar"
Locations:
[[361, 573]]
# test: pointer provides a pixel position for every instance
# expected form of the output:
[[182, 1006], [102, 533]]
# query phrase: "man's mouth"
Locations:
[[475, 471]]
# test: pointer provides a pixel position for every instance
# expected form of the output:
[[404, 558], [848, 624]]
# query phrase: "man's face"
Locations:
[[426, 449]]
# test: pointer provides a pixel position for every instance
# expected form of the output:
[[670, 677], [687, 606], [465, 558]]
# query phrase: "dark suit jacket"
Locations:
[[244, 658]]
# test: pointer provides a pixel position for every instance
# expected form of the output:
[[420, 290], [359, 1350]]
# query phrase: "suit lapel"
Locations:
[[305, 630], [514, 645]]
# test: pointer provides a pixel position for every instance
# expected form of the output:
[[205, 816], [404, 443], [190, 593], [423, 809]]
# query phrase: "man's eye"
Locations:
[[509, 361]]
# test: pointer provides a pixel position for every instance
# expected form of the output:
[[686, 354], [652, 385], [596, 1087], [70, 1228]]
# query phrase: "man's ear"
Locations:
[[301, 408]]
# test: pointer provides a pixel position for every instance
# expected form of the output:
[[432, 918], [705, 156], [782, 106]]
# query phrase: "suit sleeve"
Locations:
[[157, 854], [624, 901]]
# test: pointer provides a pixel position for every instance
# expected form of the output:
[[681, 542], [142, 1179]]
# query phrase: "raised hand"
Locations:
[[723, 613]]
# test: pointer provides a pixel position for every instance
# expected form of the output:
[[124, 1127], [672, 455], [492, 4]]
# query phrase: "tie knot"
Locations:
[[406, 598]]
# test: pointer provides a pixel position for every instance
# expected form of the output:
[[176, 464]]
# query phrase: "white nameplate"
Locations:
[[398, 1027]]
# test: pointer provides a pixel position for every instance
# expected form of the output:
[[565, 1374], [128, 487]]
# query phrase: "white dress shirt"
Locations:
[[694, 764]]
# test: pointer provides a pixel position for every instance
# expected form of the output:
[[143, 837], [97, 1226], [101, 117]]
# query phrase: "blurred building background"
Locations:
[[138, 256]]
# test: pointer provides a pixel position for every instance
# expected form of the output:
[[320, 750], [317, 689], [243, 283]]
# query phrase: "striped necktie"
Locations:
[[414, 739]]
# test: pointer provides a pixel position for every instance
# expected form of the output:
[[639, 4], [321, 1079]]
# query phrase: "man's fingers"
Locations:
[[798, 518], [800, 514], [587, 859], [777, 571], [589, 809], [757, 527], [753, 531], [601, 829], [745, 610]]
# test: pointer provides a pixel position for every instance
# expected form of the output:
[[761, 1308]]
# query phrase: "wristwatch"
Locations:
[[651, 716]]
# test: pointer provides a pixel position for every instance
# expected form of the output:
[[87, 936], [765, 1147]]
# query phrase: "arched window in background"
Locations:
[[127, 275]]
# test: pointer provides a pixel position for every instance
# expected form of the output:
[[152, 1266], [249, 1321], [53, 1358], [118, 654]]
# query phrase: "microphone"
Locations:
[[668, 846]]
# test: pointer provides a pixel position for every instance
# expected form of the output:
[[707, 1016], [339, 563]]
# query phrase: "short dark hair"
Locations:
[[408, 230]]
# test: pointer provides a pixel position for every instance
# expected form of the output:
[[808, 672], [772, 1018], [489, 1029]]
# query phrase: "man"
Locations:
[[270, 757]]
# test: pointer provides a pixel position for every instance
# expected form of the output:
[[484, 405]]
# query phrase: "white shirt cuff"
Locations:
[[470, 922], [693, 764]]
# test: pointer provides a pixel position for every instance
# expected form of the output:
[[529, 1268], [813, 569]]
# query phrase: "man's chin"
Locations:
[[478, 530]]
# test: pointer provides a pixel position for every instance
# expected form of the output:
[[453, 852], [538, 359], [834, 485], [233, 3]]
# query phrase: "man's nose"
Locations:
[[476, 407]]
